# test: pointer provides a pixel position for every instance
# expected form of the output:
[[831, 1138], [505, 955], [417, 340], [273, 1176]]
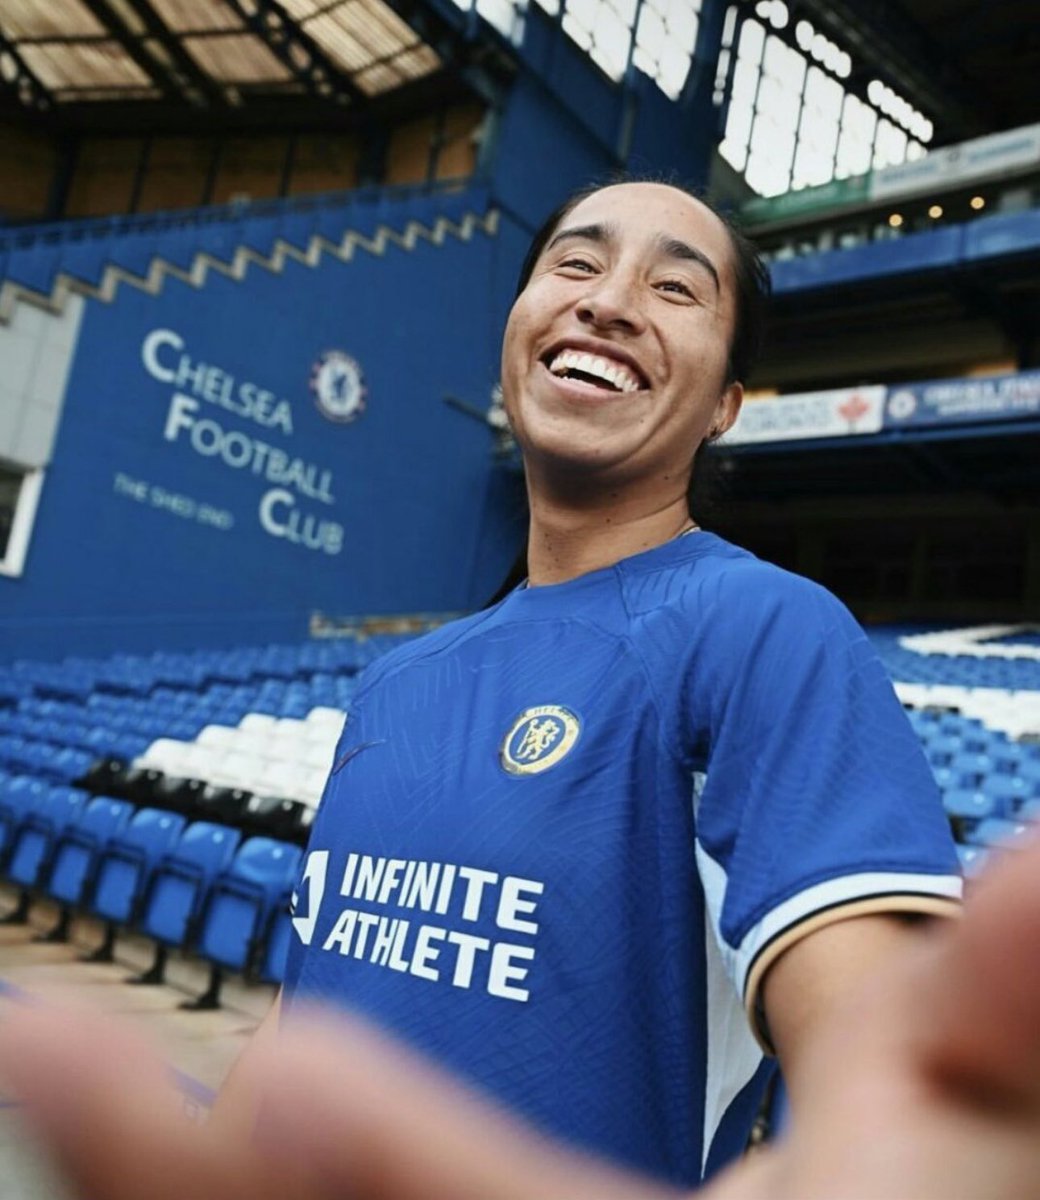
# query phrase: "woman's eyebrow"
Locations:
[[587, 233], [674, 248]]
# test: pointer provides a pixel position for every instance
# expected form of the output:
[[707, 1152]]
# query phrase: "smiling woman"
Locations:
[[640, 277], [693, 271], [617, 836]]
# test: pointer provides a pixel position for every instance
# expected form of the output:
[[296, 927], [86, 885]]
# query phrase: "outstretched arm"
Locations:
[[924, 1085]]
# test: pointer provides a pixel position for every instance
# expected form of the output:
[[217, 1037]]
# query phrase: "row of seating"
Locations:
[[181, 715], [197, 749], [139, 674], [196, 799], [196, 885], [271, 756], [34, 257], [913, 656]]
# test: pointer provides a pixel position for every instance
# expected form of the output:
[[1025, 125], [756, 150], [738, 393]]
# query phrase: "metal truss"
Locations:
[[18, 79], [298, 51]]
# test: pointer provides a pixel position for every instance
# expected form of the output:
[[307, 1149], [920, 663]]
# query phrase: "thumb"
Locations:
[[983, 991]]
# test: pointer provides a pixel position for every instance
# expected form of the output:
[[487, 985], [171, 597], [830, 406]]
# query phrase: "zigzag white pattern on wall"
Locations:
[[318, 246]]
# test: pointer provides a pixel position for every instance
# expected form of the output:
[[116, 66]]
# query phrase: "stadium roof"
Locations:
[[83, 61], [975, 64], [147, 63]]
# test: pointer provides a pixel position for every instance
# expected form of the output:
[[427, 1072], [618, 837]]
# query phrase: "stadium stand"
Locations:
[[188, 844], [265, 203], [147, 839]]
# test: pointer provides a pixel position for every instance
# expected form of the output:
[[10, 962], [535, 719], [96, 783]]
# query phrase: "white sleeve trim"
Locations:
[[834, 892]]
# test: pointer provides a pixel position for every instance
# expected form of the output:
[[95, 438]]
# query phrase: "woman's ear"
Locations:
[[727, 410]]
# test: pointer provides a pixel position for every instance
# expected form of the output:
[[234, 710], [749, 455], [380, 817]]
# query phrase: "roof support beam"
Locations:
[[17, 78], [108, 17], [298, 51], [184, 73]]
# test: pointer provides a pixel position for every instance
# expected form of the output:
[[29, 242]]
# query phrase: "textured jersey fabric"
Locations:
[[558, 836]]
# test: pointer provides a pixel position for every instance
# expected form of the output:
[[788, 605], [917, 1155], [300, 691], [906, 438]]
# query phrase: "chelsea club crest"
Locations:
[[538, 739], [338, 386]]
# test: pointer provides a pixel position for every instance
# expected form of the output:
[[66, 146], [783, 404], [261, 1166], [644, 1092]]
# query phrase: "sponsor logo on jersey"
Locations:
[[338, 386], [538, 739]]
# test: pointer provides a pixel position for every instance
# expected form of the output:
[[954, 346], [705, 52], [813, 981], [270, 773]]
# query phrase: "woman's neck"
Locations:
[[567, 541]]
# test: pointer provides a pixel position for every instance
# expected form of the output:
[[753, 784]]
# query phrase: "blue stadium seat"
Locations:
[[997, 831], [125, 867], [970, 804], [1029, 770], [1009, 791], [33, 842], [37, 834], [179, 888], [971, 764], [80, 845], [19, 795], [1006, 756], [241, 906]]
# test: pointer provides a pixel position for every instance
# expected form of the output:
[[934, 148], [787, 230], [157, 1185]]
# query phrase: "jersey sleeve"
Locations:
[[815, 802]]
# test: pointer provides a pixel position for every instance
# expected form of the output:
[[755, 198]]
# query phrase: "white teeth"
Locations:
[[611, 372]]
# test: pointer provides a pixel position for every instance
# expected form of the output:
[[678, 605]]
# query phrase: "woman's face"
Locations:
[[615, 355]]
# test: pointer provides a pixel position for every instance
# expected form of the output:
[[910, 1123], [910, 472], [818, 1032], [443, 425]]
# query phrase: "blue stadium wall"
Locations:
[[212, 480], [202, 487]]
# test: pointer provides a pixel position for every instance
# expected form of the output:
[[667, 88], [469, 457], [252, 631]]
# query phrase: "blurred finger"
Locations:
[[108, 1109], [984, 995]]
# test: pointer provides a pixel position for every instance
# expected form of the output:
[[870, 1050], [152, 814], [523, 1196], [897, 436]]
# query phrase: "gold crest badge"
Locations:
[[538, 739]]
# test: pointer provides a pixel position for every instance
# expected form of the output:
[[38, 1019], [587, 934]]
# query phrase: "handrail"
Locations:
[[78, 229]]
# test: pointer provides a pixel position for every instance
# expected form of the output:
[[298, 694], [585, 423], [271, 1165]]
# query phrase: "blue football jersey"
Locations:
[[563, 838]]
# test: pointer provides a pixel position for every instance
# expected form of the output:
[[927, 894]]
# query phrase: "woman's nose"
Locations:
[[609, 305]]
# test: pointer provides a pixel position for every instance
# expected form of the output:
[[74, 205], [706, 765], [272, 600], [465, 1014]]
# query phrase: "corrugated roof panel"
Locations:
[[237, 58], [342, 45], [299, 10], [58, 18], [377, 79], [83, 65], [385, 28], [384, 76], [357, 34], [196, 15], [365, 39]]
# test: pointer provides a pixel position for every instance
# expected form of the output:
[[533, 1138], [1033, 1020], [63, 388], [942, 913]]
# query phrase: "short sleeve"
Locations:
[[815, 802]]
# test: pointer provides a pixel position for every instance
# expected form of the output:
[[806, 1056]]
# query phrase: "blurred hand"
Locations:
[[926, 1088]]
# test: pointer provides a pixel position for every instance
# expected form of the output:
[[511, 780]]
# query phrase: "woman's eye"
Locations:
[[676, 286], [581, 263]]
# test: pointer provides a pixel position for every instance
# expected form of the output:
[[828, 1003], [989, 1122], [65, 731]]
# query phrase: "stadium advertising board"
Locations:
[[840, 412], [994, 155], [963, 401]]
